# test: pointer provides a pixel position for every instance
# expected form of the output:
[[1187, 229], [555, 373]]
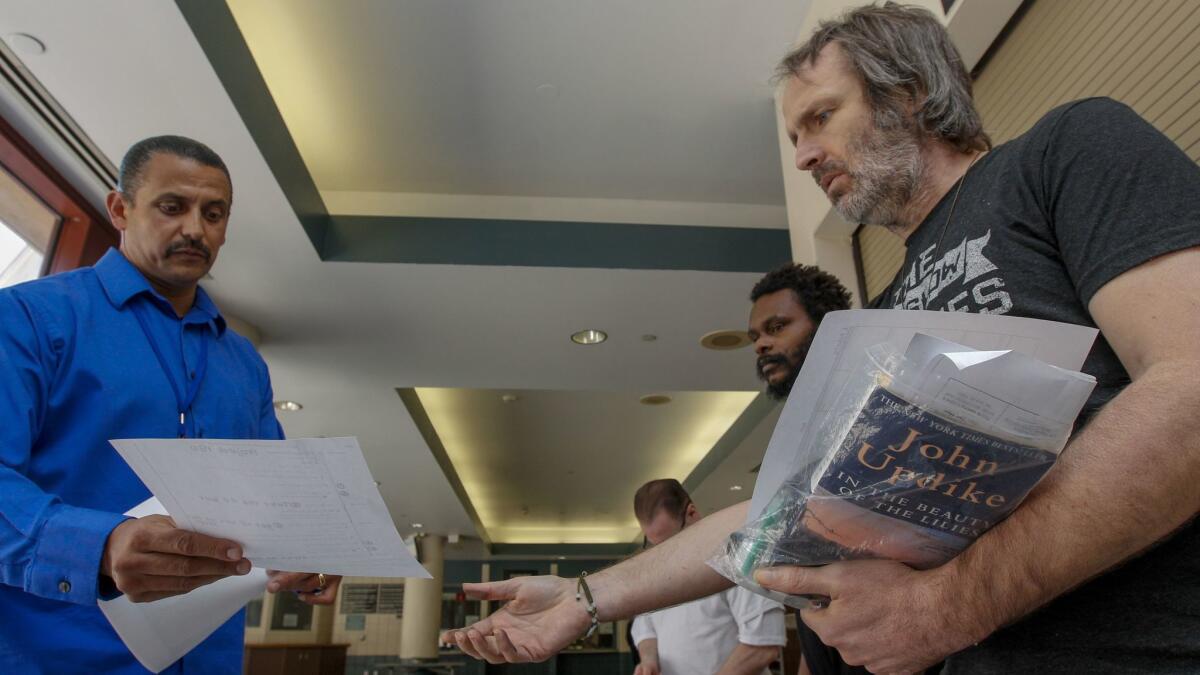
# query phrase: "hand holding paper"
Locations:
[[312, 589], [159, 633], [307, 504], [148, 559]]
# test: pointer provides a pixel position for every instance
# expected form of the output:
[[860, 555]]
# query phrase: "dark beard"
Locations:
[[780, 390]]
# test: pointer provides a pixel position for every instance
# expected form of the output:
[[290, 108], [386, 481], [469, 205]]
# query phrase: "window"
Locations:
[[27, 227], [45, 225]]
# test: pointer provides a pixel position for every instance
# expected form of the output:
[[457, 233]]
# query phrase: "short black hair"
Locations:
[[818, 291], [134, 163]]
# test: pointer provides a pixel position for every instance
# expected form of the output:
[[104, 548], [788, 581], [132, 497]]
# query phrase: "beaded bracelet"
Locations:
[[582, 591]]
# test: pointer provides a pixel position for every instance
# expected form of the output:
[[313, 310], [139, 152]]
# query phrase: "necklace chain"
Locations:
[[953, 203]]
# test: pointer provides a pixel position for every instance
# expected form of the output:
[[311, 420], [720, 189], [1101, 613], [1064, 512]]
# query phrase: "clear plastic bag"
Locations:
[[919, 455]]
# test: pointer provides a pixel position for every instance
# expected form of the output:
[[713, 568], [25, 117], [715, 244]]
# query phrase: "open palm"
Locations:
[[541, 618]]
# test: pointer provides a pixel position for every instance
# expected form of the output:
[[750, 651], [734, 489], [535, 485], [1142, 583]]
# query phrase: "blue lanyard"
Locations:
[[184, 404]]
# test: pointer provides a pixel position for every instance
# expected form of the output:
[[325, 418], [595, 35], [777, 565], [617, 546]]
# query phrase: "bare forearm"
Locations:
[[749, 659], [648, 651], [1126, 482], [670, 573]]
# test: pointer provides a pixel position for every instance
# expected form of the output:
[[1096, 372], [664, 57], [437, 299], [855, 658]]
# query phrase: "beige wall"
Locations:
[[380, 637]]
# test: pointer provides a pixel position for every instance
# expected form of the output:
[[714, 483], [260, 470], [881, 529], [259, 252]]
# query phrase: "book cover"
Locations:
[[908, 485]]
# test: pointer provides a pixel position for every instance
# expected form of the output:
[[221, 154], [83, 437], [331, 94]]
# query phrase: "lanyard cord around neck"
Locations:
[[183, 403]]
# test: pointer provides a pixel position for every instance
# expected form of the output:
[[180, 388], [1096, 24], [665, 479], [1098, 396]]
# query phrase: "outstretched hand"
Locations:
[[541, 618]]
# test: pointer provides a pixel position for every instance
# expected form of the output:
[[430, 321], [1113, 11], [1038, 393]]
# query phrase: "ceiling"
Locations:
[[602, 99], [550, 466], [660, 114]]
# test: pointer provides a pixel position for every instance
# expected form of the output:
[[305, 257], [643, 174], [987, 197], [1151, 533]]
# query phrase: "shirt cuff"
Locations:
[[66, 564]]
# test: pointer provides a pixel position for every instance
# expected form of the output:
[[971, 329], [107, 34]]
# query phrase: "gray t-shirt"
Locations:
[[1041, 224]]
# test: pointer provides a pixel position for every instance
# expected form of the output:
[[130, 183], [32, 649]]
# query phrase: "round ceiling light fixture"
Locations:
[[654, 399], [722, 340], [591, 336], [25, 44], [288, 406], [735, 488]]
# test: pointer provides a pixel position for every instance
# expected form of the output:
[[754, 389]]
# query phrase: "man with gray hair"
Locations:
[[1091, 217]]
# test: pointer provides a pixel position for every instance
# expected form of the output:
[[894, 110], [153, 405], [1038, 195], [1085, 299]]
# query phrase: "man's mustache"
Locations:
[[190, 246], [769, 359], [821, 170]]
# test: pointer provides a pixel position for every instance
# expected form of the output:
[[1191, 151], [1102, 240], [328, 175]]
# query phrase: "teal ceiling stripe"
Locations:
[[466, 241], [218, 34]]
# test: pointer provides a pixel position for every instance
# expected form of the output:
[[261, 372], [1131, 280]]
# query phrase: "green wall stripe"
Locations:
[[217, 32], [465, 241]]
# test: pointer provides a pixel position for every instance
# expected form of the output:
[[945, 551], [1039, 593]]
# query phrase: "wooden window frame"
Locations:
[[83, 234]]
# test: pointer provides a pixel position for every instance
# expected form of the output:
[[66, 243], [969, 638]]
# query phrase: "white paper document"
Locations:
[[303, 505], [1004, 392], [840, 345], [159, 633]]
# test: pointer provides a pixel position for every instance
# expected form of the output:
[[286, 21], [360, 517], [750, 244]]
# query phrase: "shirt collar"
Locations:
[[122, 282]]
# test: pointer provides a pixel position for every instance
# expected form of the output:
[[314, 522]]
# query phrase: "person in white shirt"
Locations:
[[731, 632]]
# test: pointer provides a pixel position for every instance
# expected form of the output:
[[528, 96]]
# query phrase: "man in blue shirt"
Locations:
[[129, 348]]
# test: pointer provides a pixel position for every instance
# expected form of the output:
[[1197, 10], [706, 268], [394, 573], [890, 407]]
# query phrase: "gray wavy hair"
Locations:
[[903, 55]]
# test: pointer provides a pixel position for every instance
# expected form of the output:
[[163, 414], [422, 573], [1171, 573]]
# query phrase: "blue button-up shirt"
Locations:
[[77, 369]]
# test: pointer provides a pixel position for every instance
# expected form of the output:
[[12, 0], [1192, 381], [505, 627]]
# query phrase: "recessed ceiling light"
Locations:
[[725, 339], [287, 406], [735, 488], [510, 398], [562, 557], [417, 526], [654, 399], [25, 44], [590, 336]]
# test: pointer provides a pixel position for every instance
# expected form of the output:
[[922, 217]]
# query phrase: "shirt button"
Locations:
[[64, 586]]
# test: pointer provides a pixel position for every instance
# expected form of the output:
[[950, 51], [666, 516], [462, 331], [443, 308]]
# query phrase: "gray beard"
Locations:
[[888, 171]]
